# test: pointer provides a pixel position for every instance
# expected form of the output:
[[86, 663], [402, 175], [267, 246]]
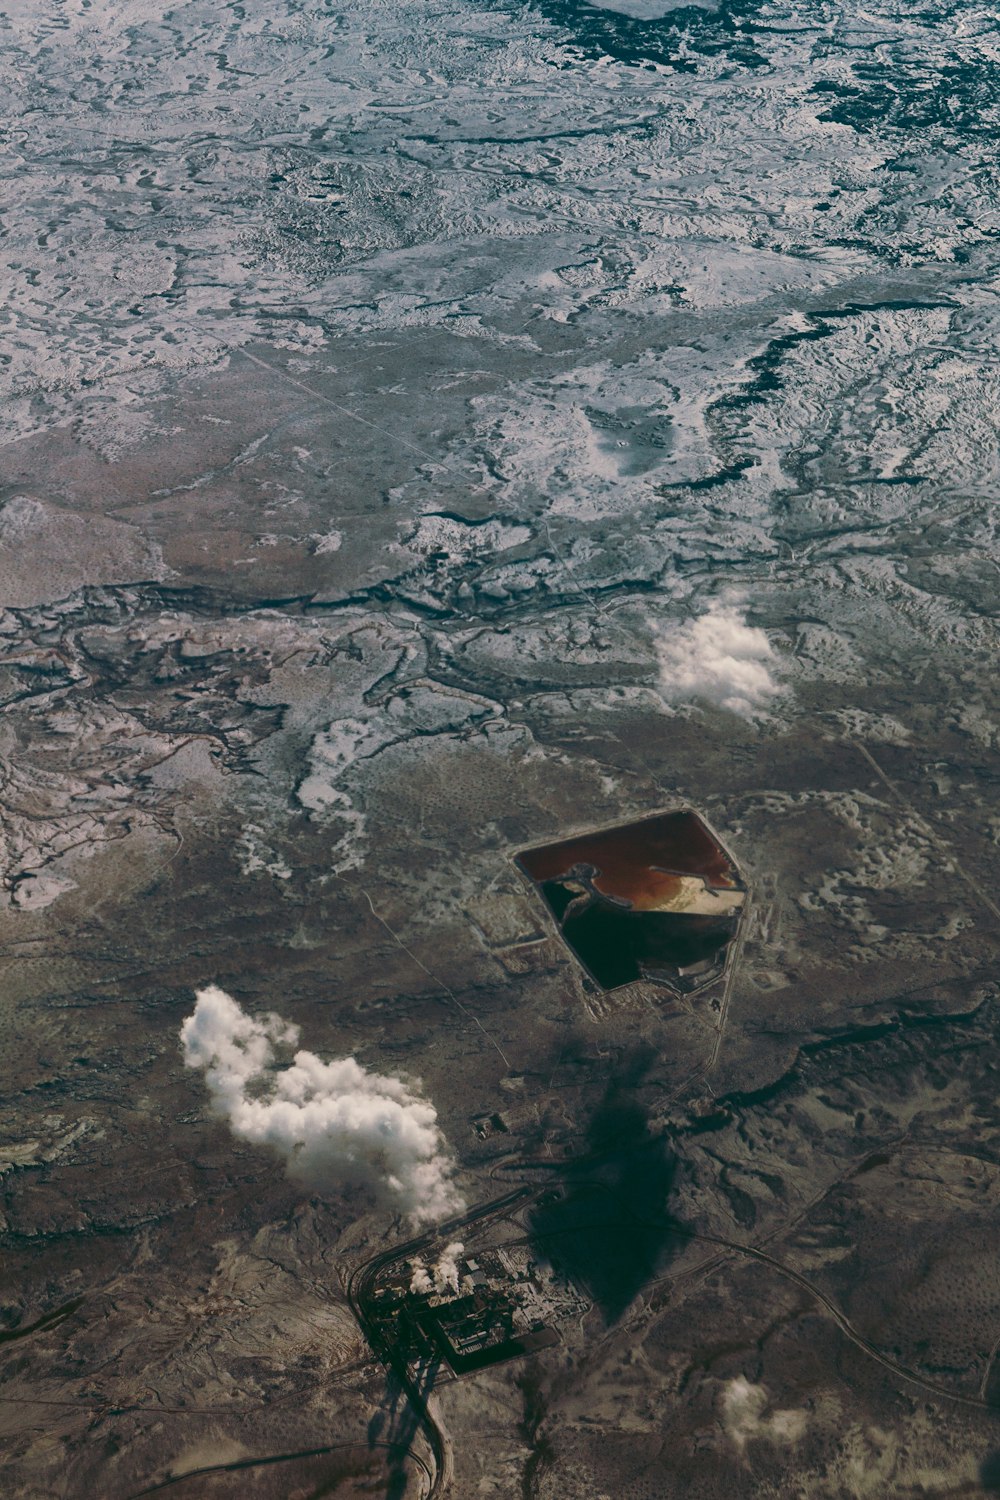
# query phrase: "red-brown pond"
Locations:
[[659, 899]]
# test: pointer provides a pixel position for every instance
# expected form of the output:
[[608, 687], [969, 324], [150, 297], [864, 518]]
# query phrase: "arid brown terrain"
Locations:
[[435, 432]]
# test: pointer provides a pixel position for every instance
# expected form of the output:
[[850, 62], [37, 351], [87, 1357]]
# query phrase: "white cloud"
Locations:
[[744, 1406], [333, 1123], [718, 657]]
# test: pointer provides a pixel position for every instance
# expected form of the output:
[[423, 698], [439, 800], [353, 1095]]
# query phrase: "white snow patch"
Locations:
[[330, 541]]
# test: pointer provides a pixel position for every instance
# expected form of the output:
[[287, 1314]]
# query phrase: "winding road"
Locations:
[[362, 1280]]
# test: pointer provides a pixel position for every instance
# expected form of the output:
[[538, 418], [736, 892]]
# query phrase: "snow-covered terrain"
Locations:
[[432, 427]]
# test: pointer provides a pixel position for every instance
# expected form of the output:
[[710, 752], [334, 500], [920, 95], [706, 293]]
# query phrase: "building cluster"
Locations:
[[502, 1303]]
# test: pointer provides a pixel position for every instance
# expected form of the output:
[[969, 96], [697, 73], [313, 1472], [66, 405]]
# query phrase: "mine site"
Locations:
[[499, 730]]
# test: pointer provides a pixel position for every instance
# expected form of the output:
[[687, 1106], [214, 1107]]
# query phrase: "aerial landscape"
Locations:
[[500, 750]]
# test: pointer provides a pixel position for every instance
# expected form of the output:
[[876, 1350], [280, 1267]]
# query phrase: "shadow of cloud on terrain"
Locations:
[[611, 1230]]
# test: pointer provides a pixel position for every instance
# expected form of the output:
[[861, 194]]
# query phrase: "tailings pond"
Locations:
[[659, 899]]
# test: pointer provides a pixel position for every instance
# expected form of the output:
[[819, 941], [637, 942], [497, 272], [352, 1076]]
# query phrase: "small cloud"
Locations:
[[745, 1415], [332, 1122], [717, 657]]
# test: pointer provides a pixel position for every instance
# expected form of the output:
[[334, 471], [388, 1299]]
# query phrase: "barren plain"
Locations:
[[435, 429]]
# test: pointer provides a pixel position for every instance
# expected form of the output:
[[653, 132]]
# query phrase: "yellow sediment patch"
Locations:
[[690, 894]]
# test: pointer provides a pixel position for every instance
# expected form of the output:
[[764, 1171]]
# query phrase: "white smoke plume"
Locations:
[[718, 657], [333, 1123], [420, 1282], [443, 1275], [446, 1270], [743, 1415]]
